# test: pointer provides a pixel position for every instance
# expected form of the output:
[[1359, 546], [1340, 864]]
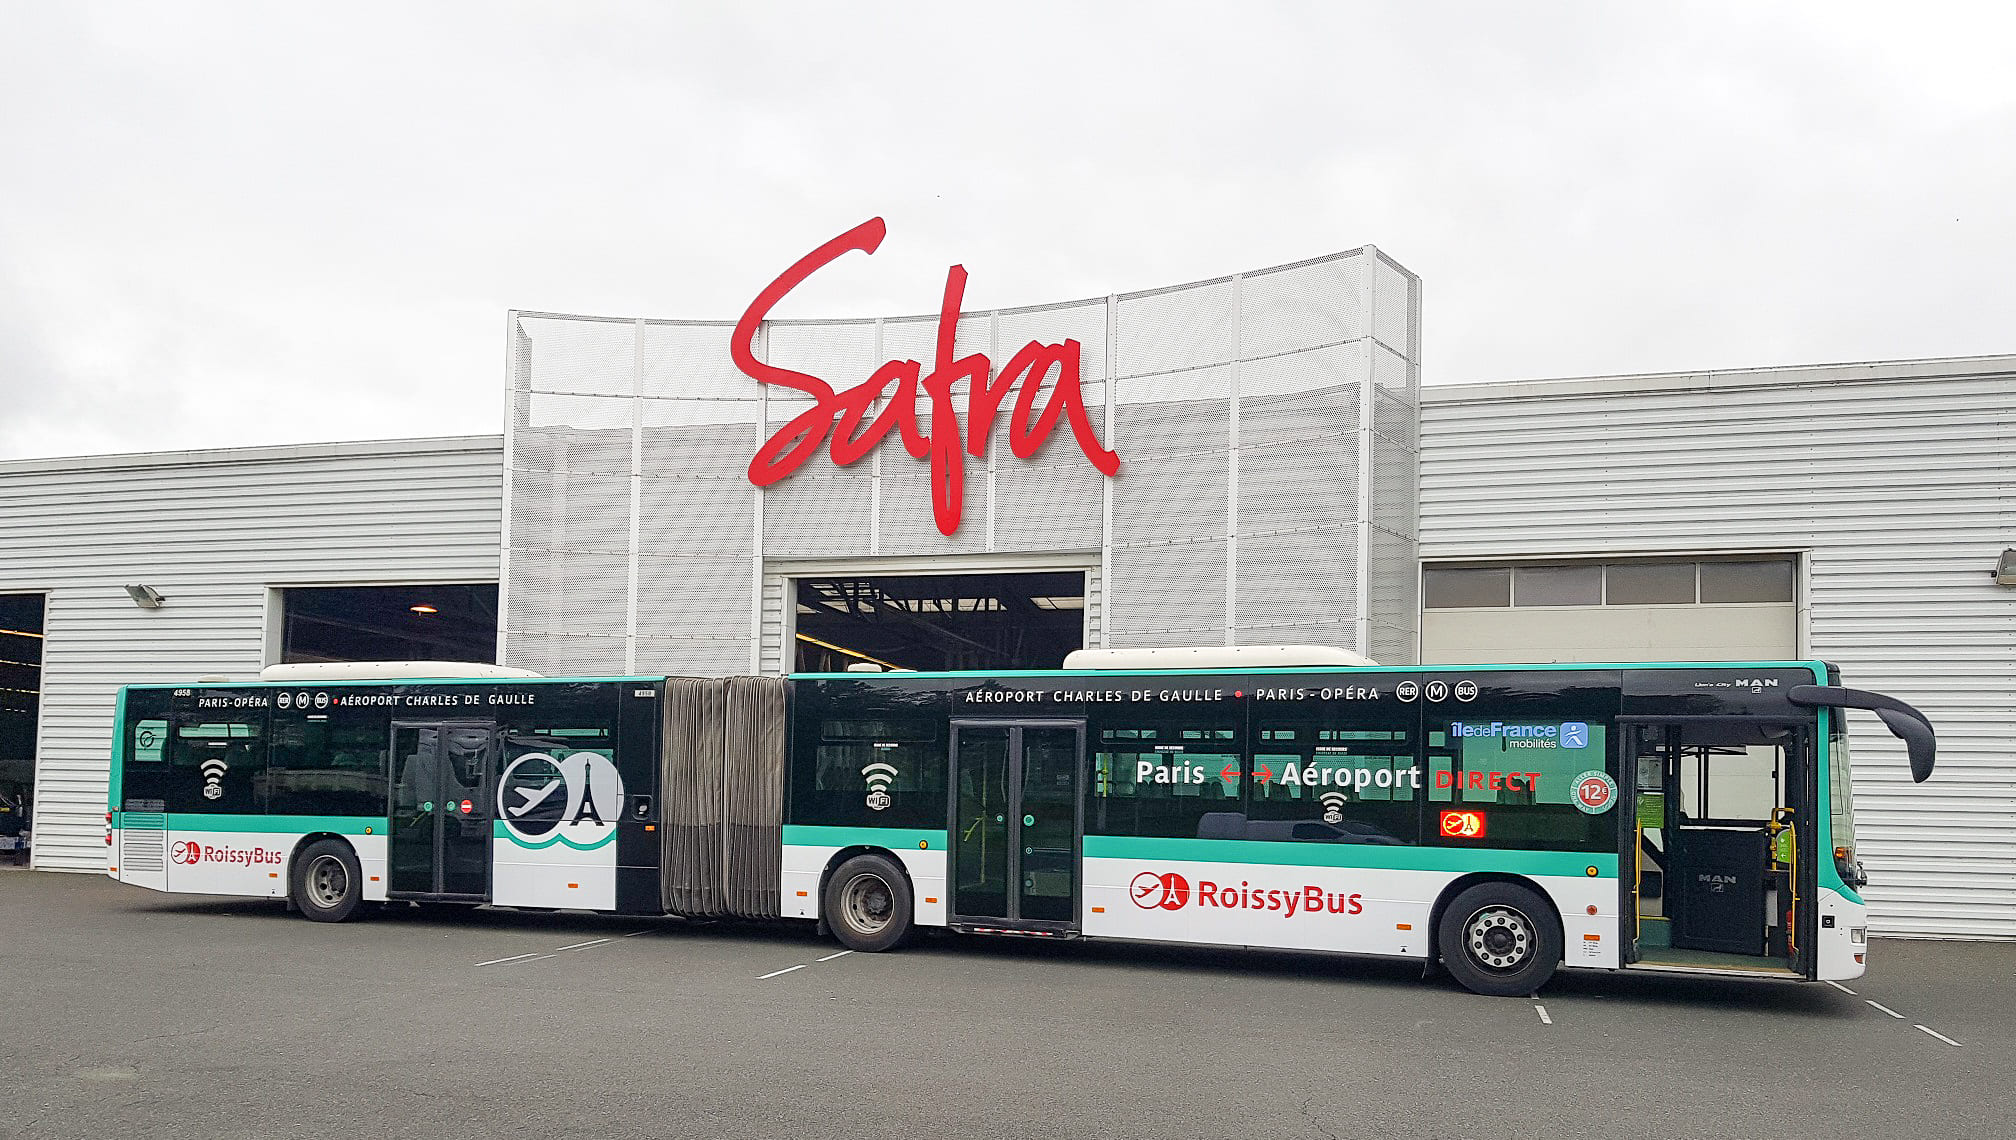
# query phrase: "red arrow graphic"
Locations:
[[1229, 773]]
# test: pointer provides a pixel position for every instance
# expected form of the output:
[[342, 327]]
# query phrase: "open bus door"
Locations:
[[1721, 839]]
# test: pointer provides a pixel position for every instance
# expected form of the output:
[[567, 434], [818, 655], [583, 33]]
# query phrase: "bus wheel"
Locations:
[[868, 903], [328, 883], [1500, 940]]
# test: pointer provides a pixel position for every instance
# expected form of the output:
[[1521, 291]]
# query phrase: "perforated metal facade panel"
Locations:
[[213, 532], [1265, 424], [1898, 484]]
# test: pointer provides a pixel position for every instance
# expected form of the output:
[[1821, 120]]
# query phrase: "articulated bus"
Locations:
[[1502, 821]]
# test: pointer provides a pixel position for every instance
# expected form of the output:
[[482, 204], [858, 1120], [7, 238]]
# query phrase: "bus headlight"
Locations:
[[1858, 934]]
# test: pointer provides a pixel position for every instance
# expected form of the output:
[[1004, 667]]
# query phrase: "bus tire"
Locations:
[[1500, 940], [868, 904], [328, 883]]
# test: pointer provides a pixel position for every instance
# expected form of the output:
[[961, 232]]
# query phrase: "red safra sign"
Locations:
[[840, 415]]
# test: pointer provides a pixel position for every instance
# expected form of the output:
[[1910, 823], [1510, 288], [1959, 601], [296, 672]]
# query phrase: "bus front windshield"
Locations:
[[1841, 793]]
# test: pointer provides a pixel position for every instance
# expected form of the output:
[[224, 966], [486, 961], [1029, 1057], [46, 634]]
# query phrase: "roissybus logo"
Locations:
[[1168, 890], [542, 800]]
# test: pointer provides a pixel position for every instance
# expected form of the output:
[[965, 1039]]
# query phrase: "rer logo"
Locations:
[[575, 800], [1167, 891]]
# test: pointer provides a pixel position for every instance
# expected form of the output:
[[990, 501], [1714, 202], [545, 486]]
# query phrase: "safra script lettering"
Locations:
[[840, 415]]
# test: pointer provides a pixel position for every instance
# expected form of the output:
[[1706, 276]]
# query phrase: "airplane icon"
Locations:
[[534, 796]]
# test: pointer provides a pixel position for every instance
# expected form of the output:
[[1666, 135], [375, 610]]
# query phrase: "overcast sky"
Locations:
[[226, 225]]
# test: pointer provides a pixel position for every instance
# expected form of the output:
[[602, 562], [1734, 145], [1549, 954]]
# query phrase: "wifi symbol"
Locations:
[[214, 768], [879, 776], [1333, 806]]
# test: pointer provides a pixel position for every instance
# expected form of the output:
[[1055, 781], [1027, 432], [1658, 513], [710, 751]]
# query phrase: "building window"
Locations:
[[1639, 582], [1747, 581], [1557, 586], [1462, 588], [1649, 583]]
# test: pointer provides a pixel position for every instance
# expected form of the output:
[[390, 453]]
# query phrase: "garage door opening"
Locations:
[[21, 617], [455, 622], [940, 621]]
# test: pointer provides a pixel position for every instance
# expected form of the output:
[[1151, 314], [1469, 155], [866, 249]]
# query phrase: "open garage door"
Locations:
[[938, 621]]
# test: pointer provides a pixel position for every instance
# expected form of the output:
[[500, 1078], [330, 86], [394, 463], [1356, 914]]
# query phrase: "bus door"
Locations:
[[441, 810], [1723, 819], [1016, 824]]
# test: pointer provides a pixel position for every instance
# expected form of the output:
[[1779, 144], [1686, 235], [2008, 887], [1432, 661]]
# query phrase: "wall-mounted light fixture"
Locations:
[[146, 597], [2005, 569], [423, 610]]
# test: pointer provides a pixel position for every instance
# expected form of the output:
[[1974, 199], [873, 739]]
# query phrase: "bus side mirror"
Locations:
[[1917, 738], [1903, 721]]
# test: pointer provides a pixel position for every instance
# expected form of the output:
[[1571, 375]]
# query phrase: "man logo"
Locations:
[[1151, 890], [576, 800], [879, 776], [1574, 734], [185, 852], [1333, 806]]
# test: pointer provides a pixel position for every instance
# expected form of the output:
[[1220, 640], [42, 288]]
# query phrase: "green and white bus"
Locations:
[[1502, 821]]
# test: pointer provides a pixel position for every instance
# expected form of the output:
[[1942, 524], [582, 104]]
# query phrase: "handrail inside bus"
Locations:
[[1903, 721]]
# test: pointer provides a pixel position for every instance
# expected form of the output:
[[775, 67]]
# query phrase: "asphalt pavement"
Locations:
[[129, 1013]]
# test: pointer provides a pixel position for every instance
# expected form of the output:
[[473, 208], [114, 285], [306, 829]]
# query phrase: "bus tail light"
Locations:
[[1859, 935]]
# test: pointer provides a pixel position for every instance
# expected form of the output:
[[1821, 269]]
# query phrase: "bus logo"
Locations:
[[542, 800], [1595, 792], [1168, 891], [879, 776]]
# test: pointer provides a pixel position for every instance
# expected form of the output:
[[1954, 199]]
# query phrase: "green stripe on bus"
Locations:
[[894, 838], [1569, 864], [297, 824]]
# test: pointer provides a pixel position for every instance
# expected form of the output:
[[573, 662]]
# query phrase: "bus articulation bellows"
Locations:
[[1504, 821]]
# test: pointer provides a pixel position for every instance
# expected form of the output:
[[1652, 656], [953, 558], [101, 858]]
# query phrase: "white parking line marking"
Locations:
[[841, 954], [635, 933], [1886, 1009], [579, 945], [1942, 1037], [1542, 1011], [1842, 988], [495, 961], [785, 970]]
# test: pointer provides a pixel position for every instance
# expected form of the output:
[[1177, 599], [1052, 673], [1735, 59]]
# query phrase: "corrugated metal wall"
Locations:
[[1265, 423], [212, 531], [1899, 480]]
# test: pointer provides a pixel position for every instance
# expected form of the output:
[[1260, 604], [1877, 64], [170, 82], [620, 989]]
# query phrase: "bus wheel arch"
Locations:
[[866, 899], [325, 879], [1525, 941]]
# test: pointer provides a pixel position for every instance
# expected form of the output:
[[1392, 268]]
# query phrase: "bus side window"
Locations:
[[1340, 776], [1171, 780], [1515, 782], [327, 767], [217, 766]]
